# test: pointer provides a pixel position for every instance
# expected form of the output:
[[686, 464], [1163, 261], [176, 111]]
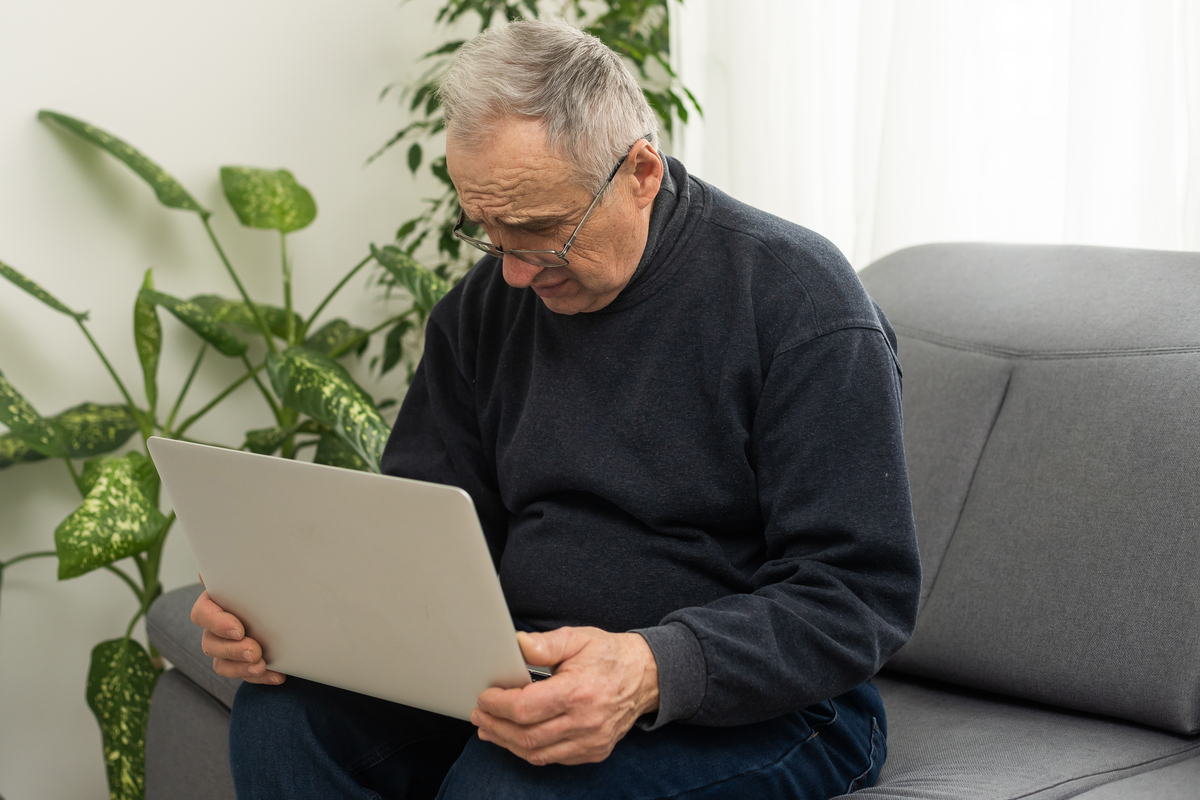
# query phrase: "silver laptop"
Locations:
[[376, 584]]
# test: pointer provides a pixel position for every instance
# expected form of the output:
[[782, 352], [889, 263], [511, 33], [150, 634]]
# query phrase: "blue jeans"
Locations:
[[306, 740]]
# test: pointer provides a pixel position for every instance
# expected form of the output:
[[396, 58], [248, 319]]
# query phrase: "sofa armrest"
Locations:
[[170, 629]]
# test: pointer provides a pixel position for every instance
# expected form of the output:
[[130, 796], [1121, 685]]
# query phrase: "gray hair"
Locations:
[[591, 106]]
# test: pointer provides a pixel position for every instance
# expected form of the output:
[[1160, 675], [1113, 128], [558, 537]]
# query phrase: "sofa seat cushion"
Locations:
[[169, 626], [949, 743], [1179, 781]]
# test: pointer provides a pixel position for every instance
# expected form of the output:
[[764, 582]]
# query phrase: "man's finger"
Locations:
[[530, 704], [213, 618], [253, 673], [245, 651], [523, 738]]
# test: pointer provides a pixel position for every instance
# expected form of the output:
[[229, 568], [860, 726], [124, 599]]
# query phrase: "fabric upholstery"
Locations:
[[187, 743], [1033, 299], [960, 744], [1069, 577], [1177, 782], [169, 626], [951, 399]]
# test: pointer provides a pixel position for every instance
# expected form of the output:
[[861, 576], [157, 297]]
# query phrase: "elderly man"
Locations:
[[679, 419]]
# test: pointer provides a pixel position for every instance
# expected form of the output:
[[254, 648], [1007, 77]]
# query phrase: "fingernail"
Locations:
[[276, 679], [255, 669], [246, 654], [233, 633]]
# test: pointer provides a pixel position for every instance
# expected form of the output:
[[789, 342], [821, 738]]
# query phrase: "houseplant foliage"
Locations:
[[119, 525], [636, 29]]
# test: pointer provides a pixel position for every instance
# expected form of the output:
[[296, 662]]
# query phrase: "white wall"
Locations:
[[270, 83]]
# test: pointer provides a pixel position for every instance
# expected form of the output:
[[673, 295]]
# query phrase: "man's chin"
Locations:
[[563, 305]]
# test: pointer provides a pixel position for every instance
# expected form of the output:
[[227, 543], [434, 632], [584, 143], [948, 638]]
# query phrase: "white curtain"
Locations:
[[886, 123]]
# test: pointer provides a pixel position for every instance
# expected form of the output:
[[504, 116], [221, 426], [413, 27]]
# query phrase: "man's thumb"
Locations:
[[545, 649]]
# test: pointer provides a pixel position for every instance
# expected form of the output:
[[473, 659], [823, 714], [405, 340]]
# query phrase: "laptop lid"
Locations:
[[371, 583]]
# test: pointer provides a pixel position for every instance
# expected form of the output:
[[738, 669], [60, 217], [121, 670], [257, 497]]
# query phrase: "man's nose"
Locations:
[[519, 274]]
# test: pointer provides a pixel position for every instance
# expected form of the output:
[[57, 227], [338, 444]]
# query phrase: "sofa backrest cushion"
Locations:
[[1052, 429]]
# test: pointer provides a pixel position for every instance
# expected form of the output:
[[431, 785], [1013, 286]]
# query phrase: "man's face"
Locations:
[[521, 194]]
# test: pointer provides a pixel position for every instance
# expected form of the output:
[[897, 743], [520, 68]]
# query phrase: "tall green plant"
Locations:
[[119, 525], [636, 29]]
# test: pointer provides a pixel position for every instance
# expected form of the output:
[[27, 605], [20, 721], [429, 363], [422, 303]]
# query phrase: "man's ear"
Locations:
[[647, 173]]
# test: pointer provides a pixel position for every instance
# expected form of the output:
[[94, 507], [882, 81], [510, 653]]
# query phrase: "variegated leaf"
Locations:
[[200, 321], [147, 336], [168, 190], [265, 441], [237, 314], [27, 424], [425, 285], [334, 334], [314, 385], [13, 450], [20, 281], [266, 198], [90, 429], [333, 451], [120, 680], [118, 517]]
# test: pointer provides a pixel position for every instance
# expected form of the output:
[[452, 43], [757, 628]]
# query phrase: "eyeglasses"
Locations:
[[541, 258]]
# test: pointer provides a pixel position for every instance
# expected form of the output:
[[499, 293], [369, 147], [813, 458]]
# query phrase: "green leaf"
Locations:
[[334, 334], [118, 517], [237, 314], [204, 324], [268, 198], [14, 450], [90, 429], [120, 680], [414, 157], [425, 285], [147, 336], [332, 451], [168, 190], [27, 424], [312, 384], [393, 346], [91, 473], [41, 294], [266, 441]]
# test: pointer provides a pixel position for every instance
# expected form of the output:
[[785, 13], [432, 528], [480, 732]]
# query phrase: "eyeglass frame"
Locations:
[[492, 249]]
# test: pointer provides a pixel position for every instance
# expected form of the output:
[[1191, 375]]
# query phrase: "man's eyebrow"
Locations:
[[535, 222]]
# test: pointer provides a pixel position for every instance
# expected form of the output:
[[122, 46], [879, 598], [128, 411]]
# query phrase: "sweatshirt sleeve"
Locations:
[[837, 594]]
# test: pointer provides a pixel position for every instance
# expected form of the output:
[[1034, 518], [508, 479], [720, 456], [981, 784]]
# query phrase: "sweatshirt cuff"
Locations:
[[682, 673]]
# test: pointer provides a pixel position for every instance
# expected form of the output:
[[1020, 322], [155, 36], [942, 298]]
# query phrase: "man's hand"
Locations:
[[602, 684], [234, 654]]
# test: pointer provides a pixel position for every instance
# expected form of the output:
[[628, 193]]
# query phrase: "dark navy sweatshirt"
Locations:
[[713, 460]]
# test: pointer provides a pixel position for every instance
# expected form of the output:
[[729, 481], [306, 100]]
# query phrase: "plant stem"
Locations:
[[132, 622], [187, 423], [287, 289], [186, 385], [154, 558], [262, 323], [27, 557], [23, 557], [128, 399], [334, 291], [350, 344], [270, 400], [74, 476], [120, 573]]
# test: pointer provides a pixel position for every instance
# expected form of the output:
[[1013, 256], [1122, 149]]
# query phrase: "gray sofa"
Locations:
[[1052, 428]]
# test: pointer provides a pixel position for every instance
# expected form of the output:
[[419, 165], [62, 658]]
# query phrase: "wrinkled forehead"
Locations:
[[510, 174]]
